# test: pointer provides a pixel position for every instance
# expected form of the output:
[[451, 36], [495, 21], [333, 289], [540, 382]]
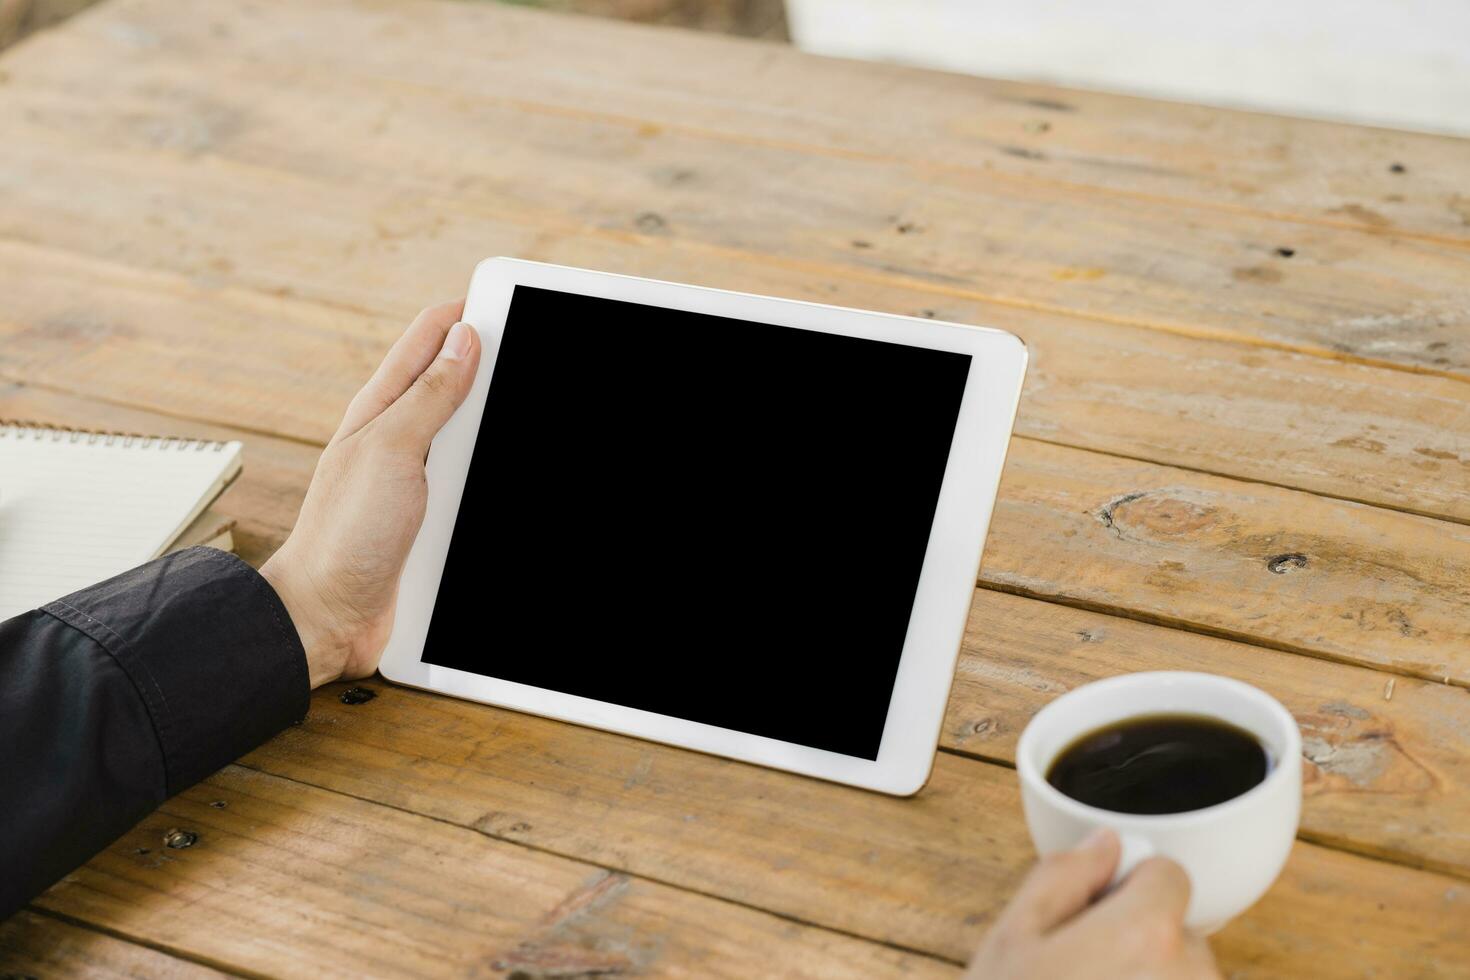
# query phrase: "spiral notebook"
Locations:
[[77, 506]]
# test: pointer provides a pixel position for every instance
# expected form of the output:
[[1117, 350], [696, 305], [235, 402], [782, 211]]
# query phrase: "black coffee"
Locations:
[[1160, 764]]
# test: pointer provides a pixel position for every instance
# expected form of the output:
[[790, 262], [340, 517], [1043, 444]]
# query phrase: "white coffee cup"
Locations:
[[1232, 851]]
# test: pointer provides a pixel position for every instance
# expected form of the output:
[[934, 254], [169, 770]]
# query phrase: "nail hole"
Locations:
[[1397, 168], [1023, 152], [1286, 253], [650, 221], [180, 839]]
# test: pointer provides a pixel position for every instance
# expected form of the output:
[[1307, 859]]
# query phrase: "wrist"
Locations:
[[327, 651]]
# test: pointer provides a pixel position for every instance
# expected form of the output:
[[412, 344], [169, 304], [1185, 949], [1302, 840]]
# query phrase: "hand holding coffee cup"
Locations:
[[1201, 769]]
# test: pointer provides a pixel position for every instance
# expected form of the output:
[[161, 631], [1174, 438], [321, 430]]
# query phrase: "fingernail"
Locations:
[[1095, 839], [457, 343]]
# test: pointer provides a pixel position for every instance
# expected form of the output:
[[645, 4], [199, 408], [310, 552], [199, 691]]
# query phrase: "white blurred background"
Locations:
[[1398, 63]]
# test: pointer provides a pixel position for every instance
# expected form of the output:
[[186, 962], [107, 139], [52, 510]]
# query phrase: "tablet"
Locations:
[[742, 525]]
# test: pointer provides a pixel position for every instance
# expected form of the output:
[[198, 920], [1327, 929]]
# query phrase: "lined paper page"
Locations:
[[77, 508]]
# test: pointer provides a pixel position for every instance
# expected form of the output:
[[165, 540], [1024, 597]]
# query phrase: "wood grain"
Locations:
[[1385, 777], [1345, 293], [1117, 565], [927, 873], [1274, 566], [271, 189], [1387, 758], [1341, 429], [747, 93], [34, 945], [1279, 567], [292, 880]]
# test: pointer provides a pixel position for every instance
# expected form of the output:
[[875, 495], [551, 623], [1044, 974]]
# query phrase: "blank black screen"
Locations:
[[708, 518]]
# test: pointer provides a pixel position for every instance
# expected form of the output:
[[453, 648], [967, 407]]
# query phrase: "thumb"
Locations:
[[1063, 883], [420, 412]]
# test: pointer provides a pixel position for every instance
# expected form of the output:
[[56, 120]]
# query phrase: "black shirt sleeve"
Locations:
[[121, 695]]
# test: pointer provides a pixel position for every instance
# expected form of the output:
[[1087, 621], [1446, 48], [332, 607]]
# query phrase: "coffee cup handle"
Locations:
[[1135, 850]]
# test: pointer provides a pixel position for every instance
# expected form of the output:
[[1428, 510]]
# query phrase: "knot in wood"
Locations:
[[1161, 512], [357, 695], [1278, 564]]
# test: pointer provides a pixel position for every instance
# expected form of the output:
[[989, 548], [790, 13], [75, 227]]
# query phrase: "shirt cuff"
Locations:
[[210, 648]]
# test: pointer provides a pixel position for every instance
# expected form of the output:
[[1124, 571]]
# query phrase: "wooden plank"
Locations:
[[927, 873], [290, 880], [1345, 293], [1249, 162], [1341, 429], [1387, 758], [34, 945], [1387, 777], [182, 346], [1278, 567]]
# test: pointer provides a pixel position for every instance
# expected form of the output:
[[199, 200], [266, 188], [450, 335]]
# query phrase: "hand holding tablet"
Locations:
[[738, 524]]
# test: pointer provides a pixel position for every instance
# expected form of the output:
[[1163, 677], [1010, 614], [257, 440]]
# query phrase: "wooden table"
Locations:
[[1244, 447]]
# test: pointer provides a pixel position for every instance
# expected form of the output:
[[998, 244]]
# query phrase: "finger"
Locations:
[[416, 417], [1199, 961], [1156, 891], [406, 360], [1063, 884]]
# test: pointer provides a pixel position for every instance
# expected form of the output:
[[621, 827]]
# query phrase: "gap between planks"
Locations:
[[1183, 626], [157, 947], [1448, 518]]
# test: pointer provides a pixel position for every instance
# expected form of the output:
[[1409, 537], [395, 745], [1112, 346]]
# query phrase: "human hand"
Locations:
[[338, 572], [1053, 928]]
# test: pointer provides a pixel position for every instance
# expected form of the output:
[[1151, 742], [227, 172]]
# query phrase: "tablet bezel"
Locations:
[[946, 583]]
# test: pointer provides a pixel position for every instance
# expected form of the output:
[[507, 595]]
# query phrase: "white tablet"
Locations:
[[742, 525]]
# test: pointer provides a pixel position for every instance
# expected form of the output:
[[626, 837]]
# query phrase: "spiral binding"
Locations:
[[45, 431]]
